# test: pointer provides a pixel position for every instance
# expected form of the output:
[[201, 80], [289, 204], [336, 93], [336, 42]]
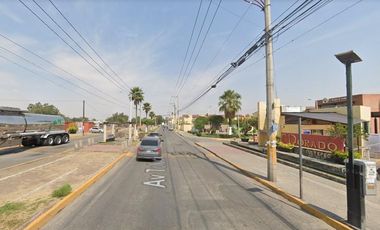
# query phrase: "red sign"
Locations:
[[326, 143]]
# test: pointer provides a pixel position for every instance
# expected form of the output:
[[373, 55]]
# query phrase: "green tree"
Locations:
[[248, 125], [215, 121], [230, 104], [77, 119], [340, 130], [160, 119], [137, 96], [147, 107], [119, 118], [200, 122], [43, 109]]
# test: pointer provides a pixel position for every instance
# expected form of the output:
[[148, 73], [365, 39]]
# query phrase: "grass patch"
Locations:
[[62, 191], [10, 207]]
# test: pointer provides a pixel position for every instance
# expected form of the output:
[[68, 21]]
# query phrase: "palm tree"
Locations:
[[147, 107], [152, 114], [137, 96], [229, 103]]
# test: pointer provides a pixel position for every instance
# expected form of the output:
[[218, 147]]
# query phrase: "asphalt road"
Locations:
[[187, 189], [18, 155]]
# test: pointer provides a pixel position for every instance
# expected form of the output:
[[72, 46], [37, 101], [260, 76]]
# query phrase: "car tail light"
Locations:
[[139, 149], [157, 150]]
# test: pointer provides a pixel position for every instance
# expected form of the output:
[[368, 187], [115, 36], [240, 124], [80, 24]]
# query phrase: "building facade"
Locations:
[[370, 100]]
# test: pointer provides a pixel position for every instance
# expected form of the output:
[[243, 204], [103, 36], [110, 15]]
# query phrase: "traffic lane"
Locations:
[[183, 191], [234, 198], [134, 195], [18, 155]]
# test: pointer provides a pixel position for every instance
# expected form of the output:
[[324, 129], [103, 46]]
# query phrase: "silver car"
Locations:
[[150, 148]]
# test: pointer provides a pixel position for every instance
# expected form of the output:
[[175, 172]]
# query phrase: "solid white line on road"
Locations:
[[28, 170], [50, 182]]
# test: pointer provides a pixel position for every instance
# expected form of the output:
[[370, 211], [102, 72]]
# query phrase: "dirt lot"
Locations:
[[26, 189]]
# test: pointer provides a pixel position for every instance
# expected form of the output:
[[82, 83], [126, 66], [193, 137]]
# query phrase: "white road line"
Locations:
[[28, 170], [50, 182]]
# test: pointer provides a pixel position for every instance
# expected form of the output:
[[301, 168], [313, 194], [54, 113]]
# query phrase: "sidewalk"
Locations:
[[323, 194]]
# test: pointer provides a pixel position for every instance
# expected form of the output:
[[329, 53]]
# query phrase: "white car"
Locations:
[[96, 130]]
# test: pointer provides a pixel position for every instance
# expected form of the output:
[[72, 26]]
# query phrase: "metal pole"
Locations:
[[300, 155], [271, 143], [351, 213], [84, 107], [177, 112]]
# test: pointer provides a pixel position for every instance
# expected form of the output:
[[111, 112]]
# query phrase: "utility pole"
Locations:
[[271, 130], [177, 112], [130, 122], [83, 116]]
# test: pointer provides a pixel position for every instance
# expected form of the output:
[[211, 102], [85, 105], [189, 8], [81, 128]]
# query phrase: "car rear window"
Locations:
[[149, 142], [153, 134]]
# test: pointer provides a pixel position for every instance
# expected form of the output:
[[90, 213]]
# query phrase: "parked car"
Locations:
[[96, 130], [149, 148]]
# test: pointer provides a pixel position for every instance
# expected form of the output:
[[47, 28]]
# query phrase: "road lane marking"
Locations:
[[156, 180], [28, 170]]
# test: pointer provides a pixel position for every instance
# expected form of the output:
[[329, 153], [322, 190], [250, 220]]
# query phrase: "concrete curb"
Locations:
[[302, 204], [51, 212]]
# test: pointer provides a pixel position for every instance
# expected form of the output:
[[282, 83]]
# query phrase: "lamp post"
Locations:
[[355, 204]]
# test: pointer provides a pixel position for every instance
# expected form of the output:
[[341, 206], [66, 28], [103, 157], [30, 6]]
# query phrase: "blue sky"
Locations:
[[145, 42]]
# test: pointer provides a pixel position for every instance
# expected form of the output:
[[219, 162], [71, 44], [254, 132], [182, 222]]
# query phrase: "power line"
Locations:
[[73, 40], [63, 40], [88, 44], [195, 45], [51, 63], [260, 43], [200, 49], [188, 46]]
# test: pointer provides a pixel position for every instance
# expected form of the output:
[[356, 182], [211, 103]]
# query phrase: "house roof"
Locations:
[[324, 116]]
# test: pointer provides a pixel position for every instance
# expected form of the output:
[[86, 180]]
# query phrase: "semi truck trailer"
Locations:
[[33, 129]]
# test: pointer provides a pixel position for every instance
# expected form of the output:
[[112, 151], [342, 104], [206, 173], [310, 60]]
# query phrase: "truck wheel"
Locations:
[[49, 140], [26, 142], [65, 138], [58, 140]]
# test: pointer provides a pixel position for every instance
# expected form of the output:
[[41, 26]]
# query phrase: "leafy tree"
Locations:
[[160, 119], [77, 119], [229, 103], [248, 125], [147, 107], [43, 109], [137, 96], [340, 130], [119, 118], [215, 121], [200, 122], [147, 121]]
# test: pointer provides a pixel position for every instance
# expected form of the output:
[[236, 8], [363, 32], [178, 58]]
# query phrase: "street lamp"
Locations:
[[355, 204]]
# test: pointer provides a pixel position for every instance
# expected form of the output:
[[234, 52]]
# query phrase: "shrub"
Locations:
[[11, 207], [339, 156], [62, 191], [73, 129], [285, 147]]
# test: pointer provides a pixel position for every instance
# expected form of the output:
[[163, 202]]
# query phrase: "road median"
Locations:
[[50, 213]]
